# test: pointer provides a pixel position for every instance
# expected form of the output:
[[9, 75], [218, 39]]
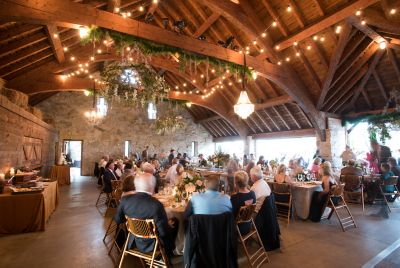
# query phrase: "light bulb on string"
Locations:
[[254, 42], [274, 24], [363, 22], [297, 54], [287, 59], [289, 8], [262, 50], [382, 45], [295, 43], [322, 39], [141, 8], [358, 13], [308, 47], [116, 10], [65, 49], [264, 35], [83, 32], [279, 62], [392, 11], [315, 37], [338, 29], [277, 47]]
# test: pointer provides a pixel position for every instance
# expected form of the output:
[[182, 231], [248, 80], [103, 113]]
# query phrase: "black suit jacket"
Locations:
[[144, 206], [108, 177]]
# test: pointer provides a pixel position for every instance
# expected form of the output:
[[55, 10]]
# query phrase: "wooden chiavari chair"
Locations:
[[283, 201], [353, 188], [391, 181]]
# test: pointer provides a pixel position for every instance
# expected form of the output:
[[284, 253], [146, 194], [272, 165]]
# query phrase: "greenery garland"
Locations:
[[119, 86], [169, 123], [121, 41], [378, 124]]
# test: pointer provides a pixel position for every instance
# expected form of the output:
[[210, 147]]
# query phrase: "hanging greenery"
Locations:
[[379, 125], [169, 123], [149, 48], [132, 83]]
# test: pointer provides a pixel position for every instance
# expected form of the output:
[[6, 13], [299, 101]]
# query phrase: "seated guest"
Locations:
[[350, 169], [281, 176], [249, 166], [210, 202], [109, 176], [141, 205], [261, 161], [394, 167], [202, 161], [128, 171], [180, 173], [232, 167], [296, 167], [373, 187], [260, 186], [243, 197], [171, 173], [386, 174], [184, 160], [118, 169], [318, 200], [315, 166], [149, 169]]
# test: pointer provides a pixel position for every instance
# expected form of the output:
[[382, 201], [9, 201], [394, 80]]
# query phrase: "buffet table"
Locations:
[[27, 212], [301, 196], [61, 174]]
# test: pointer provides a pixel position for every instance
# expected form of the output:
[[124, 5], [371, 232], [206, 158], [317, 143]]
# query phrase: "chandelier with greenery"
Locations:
[[132, 83]]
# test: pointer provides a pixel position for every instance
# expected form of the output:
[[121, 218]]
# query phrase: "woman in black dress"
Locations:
[[319, 199], [243, 197]]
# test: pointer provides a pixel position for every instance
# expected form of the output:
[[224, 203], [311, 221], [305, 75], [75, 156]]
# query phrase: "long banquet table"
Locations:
[[301, 196], [27, 212]]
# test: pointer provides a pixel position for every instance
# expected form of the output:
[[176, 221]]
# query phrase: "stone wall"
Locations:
[[25, 140], [66, 112]]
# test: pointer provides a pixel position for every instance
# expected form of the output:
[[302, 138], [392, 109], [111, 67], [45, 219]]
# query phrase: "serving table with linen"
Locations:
[[301, 195], [27, 212], [61, 173], [174, 209]]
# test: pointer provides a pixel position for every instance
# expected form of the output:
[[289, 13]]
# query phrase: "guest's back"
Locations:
[[210, 202]]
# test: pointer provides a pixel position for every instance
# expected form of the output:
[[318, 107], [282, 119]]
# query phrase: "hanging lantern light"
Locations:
[[99, 110], [152, 111], [243, 107]]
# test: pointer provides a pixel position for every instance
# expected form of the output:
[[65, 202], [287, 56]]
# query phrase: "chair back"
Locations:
[[115, 184], [102, 182], [392, 180], [352, 182], [281, 188], [117, 195], [245, 213], [142, 228], [337, 190]]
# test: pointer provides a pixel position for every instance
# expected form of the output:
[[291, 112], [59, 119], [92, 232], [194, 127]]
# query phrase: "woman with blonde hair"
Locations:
[[319, 198], [281, 176]]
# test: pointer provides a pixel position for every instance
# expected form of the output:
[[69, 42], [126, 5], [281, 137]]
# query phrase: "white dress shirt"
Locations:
[[262, 190]]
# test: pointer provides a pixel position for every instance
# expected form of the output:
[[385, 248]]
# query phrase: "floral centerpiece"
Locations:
[[188, 186], [219, 159]]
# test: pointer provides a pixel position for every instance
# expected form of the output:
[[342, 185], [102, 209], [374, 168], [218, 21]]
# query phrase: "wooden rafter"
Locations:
[[255, 123], [113, 4], [393, 60], [335, 59], [272, 12], [356, 22], [380, 85], [372, 66], [206, 24], [319, 7], [291, 116], [256, 113], [303, 114], [300, 133], [375, 18], [297, 13], [281, 118], [21, 44], [318, 52], [55, 42], [271, 119], [325, 22], [307, 65]]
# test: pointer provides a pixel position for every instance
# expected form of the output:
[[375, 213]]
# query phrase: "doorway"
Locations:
[[73, 154]]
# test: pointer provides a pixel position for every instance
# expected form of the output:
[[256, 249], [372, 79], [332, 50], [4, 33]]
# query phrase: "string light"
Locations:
[[315, 37], [277, 47], [92, 58], [263, 35], [363, 22], [358, 13], [155, 1], [309, 47], [392, 11], [72, 58], [55, 35], [262, 50], [322, 39], [295, 43], [83, 32], [254, 42], [141, 8], [202, 76], [338, 29], [274, 24], [116, 10], [176, 87], [184, 84], [297, 54], [289, 8], [99, 51], [279, 62], [65, 49], [382, 45]]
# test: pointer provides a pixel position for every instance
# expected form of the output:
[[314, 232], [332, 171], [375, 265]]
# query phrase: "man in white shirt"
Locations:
[[260, 186]]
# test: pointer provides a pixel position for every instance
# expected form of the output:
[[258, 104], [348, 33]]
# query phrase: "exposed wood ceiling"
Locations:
[[329, 72]]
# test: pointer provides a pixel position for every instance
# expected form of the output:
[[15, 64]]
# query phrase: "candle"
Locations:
[[12, 172], [2, 176]]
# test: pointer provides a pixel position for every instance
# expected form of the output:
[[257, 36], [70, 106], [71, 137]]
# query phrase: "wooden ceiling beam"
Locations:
[[212, 118], [334, 62], [21, 44], [291, 116], [73, 14], [303, 114], [211, 126], [376, 19], [319, 7], [206, 24], [263, 121], [271, 119], [272, 12], [249, 126], [380, 85], [255, 123], [12, 59], [218, 122], [393, 60], [320, 55], [345, 92], [281, 118], [368, 31], [372, 66], [307, 65], [286, 134], [55, 42], [273, 102], [112, 5], [325, 22], [297, 13]]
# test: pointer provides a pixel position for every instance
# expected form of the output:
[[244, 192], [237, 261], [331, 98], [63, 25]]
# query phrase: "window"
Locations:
[[195, 148], [152, 111], [126, 148], [230, 147]]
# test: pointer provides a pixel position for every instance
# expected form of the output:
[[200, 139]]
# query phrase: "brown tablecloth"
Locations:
[[61, 174], [27, 212], [301, 197]]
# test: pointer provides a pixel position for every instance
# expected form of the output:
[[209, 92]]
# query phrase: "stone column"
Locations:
[[335, 142], [248, 145]]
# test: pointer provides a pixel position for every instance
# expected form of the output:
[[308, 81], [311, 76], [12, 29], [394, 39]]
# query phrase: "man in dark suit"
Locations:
[[350, 169], [109, 176], [171, 156], [142, 205]]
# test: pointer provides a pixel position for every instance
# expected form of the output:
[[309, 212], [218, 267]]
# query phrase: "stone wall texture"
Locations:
[[25, 140], [66, 111]]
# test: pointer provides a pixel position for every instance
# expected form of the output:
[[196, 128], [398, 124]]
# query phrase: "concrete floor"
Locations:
[[73, 238]]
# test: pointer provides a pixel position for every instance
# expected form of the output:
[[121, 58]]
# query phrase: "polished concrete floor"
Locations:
[[73, 238]]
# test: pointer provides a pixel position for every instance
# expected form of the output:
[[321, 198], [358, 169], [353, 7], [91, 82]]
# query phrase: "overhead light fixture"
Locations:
[[83, 32], [383, 45], [244, 108]]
